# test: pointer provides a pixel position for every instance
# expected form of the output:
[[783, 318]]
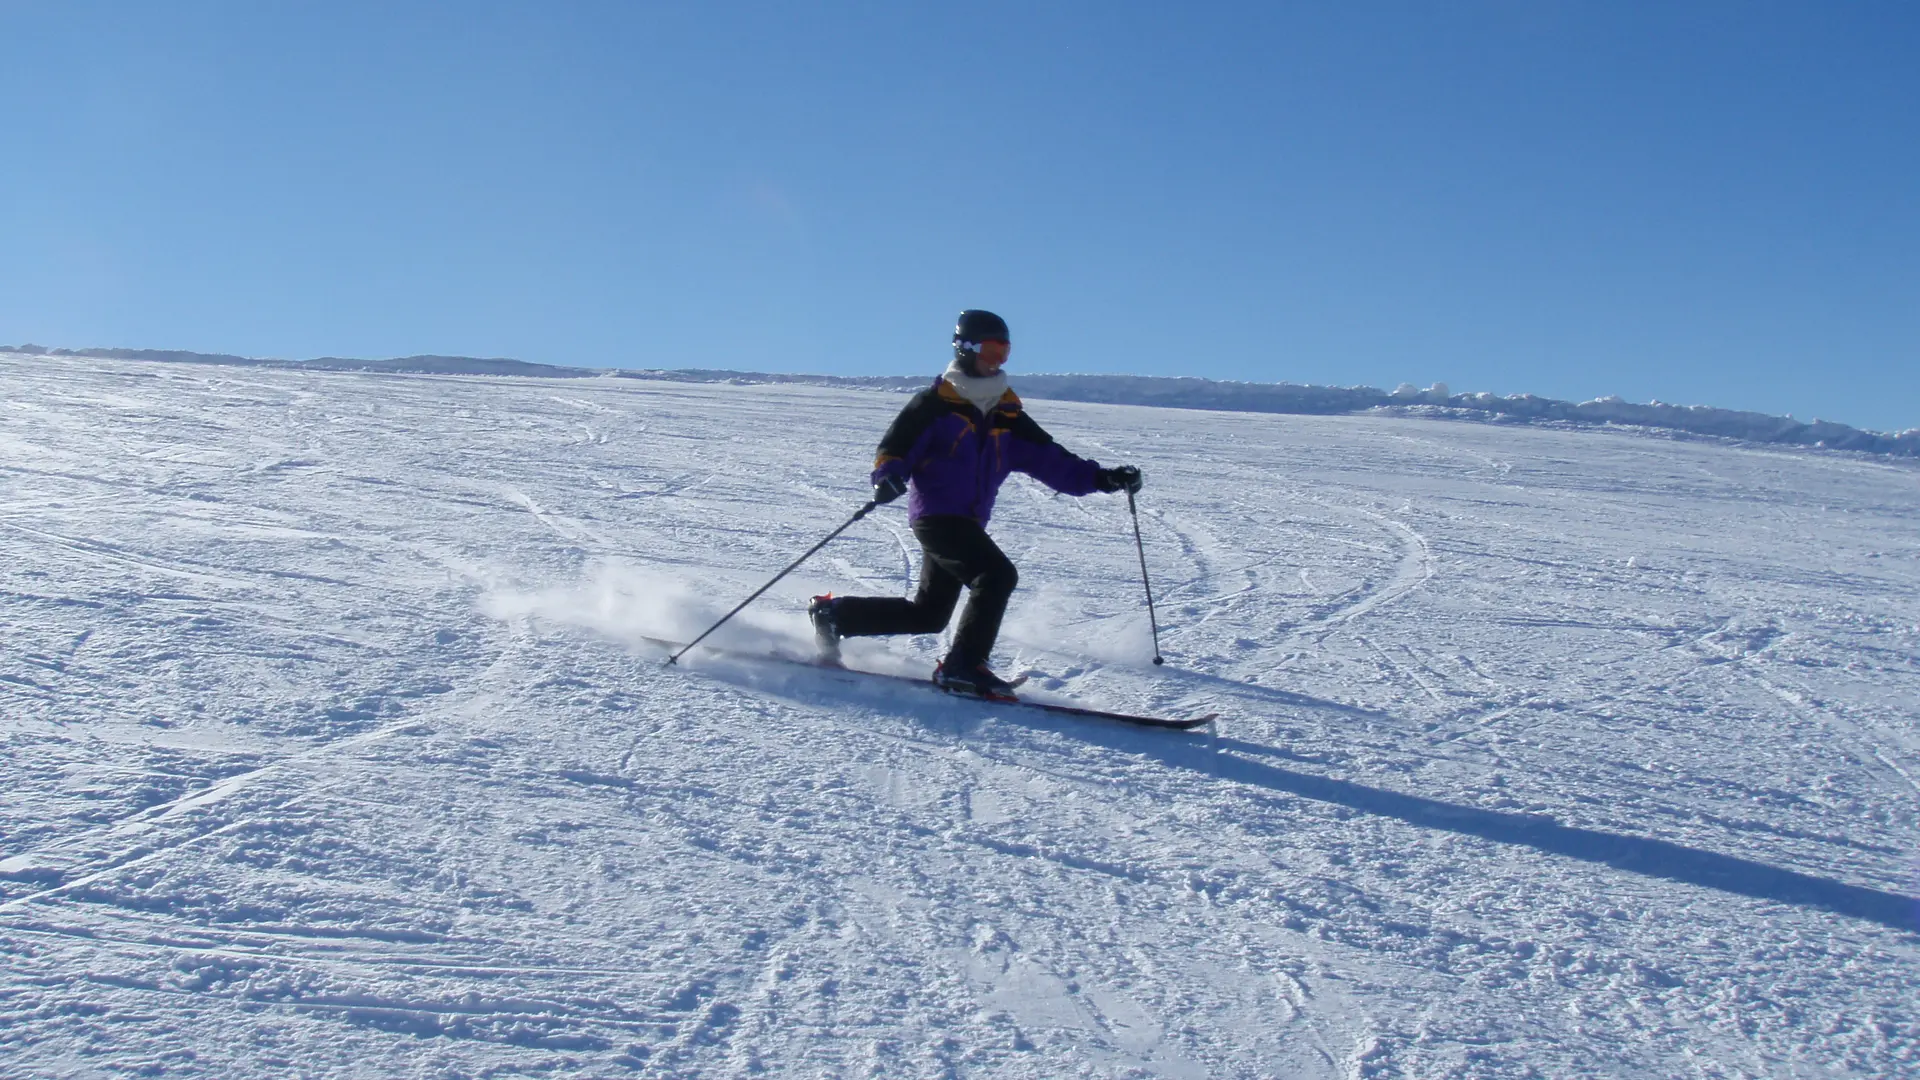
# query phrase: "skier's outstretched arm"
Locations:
[[1054, 465]]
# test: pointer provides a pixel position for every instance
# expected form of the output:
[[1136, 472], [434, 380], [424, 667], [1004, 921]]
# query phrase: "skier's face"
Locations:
[[993, 356]]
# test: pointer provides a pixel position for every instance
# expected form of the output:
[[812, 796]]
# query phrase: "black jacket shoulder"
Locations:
[[1023, 427], [920, 412]]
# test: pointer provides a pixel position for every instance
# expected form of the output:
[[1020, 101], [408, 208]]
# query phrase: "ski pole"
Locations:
[[857, 515], [1142, 549]]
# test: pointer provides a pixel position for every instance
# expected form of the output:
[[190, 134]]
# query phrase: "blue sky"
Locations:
[[1710, 203]]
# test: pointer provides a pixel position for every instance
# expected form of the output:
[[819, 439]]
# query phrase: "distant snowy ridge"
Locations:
[[1165, 392], [414, 365]]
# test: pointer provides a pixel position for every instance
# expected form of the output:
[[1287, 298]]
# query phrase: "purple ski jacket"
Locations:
[[955, 459]]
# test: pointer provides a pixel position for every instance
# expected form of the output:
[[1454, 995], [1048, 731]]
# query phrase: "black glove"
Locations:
[[1119, 478], [889, 488]]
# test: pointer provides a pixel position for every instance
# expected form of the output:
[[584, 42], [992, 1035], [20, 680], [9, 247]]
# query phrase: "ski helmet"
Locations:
[[974, 327]]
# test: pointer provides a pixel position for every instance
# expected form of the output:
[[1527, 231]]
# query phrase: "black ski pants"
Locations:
[[954, 552]]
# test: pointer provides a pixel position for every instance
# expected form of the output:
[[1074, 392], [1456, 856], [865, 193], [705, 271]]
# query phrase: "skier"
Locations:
[[952, 447]]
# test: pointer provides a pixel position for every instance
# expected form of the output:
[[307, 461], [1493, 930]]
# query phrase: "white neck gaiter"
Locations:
[[981, 391]]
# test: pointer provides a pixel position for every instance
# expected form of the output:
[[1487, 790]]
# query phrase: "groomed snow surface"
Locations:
[[333, 747]]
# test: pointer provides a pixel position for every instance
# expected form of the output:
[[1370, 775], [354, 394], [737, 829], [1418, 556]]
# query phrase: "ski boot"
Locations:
[[960, 677], [826, 629]]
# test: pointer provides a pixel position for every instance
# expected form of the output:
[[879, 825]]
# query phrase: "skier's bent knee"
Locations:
[[1001, 579]]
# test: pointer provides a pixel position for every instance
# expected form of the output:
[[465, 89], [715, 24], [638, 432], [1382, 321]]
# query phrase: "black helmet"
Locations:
[[974, 327]]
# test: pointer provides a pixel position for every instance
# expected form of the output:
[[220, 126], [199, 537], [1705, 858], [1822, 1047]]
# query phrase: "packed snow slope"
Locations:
[[334, 746]]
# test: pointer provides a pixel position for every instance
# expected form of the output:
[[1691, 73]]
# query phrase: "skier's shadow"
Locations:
[[1223, 758]]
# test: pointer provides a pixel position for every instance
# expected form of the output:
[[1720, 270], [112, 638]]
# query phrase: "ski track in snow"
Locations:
[[332, 748]]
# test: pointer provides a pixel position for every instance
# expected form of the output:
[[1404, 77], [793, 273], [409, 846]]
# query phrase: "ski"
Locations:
[[1165, 722]]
